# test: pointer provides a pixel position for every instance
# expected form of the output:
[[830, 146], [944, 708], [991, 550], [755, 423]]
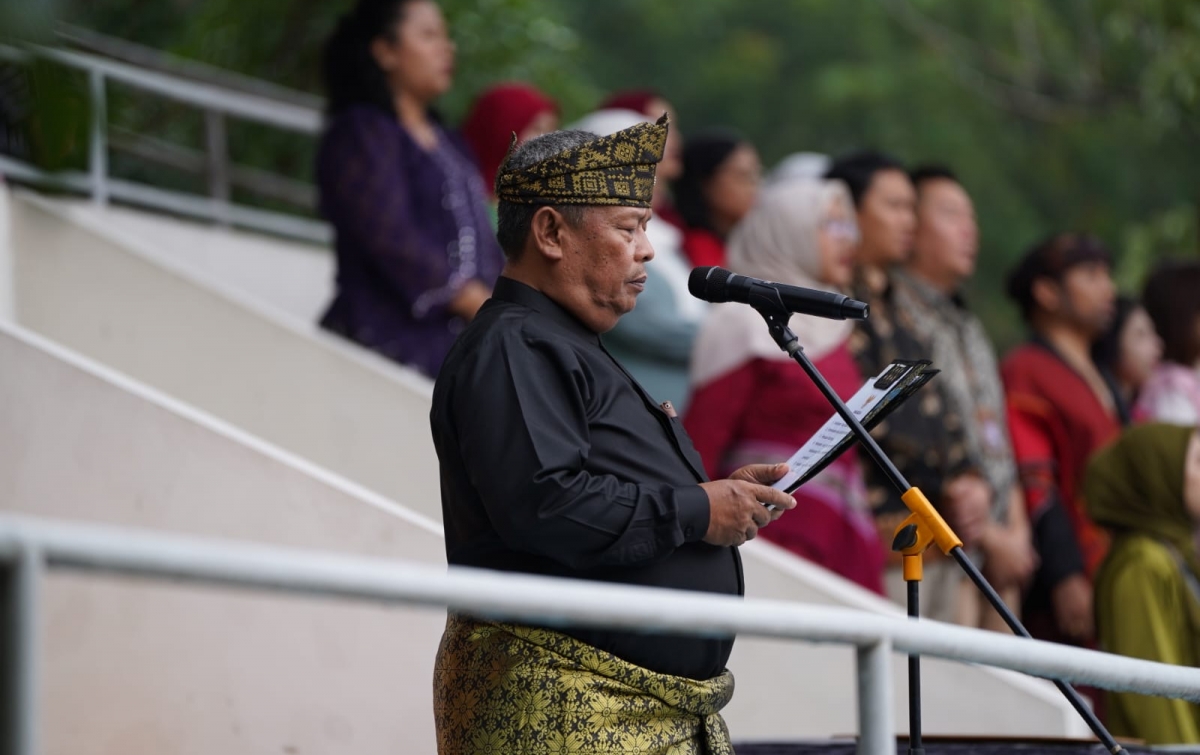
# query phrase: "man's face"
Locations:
[[1088, 297], [947, 238], [603, 268], [887, 218]]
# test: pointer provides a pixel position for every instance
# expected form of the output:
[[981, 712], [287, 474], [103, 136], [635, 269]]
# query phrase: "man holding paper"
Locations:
[[555, 461]]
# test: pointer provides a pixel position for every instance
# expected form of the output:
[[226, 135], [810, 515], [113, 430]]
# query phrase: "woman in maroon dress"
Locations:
[[751, 402]]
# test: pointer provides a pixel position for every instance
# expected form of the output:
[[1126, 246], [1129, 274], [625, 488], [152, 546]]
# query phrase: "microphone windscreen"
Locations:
[[708, 283], [698, 282]]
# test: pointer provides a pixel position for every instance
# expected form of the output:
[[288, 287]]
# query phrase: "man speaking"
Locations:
[[554, 461]]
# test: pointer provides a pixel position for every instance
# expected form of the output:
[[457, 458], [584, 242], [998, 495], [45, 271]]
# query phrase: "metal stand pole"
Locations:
[[912, 577], [922, 528]]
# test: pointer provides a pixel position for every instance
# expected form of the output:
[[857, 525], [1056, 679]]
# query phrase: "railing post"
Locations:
[[98, 149], [218, 163], [876, 725], [20, 586]]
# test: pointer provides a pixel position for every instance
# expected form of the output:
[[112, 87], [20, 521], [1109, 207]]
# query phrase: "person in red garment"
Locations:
[[752, 402], [1061, 411], [496, 114], [718, 186]]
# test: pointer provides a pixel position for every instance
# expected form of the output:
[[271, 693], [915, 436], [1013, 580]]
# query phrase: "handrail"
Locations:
[[217, 104], [81, 39], [249, 106], [30, 545]]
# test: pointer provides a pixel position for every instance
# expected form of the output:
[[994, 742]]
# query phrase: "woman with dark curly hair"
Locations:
[[415, 248]]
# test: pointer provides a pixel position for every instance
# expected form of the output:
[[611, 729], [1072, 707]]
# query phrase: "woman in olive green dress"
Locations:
[[1145, 489]]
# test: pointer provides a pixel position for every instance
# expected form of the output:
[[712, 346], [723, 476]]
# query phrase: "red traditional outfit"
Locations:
[[752, 404], [763, 411], [1057, 423]]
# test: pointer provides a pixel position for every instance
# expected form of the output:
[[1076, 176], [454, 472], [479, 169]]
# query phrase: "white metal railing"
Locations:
[[28, 547], [217, 104]]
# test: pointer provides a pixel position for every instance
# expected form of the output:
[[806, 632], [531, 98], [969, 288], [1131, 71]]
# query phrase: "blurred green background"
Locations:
[[1057, 115]]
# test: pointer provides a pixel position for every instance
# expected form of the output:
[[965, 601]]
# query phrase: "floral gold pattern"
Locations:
[[617, 169], [502, 688]]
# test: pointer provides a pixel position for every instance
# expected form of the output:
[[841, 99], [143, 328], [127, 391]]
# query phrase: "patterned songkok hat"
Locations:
[[611, 170]]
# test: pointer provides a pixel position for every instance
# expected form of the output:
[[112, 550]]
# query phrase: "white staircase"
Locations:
[[204, 401]]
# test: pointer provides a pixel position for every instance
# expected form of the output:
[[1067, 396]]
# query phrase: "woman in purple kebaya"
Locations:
[[415, 248]]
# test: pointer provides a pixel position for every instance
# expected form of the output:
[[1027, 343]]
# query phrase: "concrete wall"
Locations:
[[92, 286], [133, 666], [6, 256]]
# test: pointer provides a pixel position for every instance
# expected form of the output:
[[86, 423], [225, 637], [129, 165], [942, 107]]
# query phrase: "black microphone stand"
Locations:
[[923, 527]]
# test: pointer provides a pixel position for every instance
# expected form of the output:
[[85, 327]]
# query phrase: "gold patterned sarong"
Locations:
[[502, 689]]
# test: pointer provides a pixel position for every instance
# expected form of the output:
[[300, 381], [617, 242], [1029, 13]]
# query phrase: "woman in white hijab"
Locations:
[[750, 401]]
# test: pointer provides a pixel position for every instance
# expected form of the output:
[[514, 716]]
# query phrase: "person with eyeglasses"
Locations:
[[751, 402], [929, 289], [924, 437]]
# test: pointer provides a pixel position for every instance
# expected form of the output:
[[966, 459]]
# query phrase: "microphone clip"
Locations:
[[767, 302]]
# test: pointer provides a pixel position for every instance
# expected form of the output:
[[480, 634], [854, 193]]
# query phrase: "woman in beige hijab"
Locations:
[[751, 402]]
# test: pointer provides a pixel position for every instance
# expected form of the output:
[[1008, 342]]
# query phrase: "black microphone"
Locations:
[[716, 284]]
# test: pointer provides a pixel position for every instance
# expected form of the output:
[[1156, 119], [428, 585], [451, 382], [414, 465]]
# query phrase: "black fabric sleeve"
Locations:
[[524, 435], [1057, 548]]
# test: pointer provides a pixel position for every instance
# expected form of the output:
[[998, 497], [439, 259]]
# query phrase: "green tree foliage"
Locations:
[[1056, 115], [1073, 114]]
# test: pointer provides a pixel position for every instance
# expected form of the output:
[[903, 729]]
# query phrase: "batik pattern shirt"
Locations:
[[970, 379], [924, 437]]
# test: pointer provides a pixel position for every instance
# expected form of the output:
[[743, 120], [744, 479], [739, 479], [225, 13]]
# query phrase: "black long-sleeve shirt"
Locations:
[[554, 461]]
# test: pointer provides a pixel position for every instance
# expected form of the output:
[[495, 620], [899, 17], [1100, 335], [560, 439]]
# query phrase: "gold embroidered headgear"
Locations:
[[617, 169]]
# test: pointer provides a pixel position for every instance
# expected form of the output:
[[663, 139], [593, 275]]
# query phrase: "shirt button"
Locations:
[[688, 532]]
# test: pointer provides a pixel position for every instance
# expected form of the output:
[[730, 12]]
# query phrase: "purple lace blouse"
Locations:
[[411, 228]]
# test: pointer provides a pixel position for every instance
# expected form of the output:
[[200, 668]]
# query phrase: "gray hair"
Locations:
[[516, 220]]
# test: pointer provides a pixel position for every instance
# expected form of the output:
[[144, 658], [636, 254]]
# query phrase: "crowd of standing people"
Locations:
[[1070, 468]]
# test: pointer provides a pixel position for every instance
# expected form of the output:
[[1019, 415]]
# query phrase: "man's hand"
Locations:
[[1009, 557], [736, 510], [967, 507], [1072, 599]]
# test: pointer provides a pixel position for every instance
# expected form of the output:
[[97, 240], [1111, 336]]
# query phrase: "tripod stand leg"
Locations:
[[912, 580], [924, 525], [1069, 692]]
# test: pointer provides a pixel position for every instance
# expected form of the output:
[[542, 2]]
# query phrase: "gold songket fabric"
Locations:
[[502, 688], [617, 169]]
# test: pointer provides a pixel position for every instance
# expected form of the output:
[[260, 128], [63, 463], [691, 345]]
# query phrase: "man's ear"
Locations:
[[1047, 294], [547, 229]]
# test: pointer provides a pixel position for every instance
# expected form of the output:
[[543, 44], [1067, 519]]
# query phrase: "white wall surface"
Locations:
[[6, 257], [92, 286], [132, 666]]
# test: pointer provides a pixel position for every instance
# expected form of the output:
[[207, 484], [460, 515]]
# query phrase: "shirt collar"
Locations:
[[515, 292]]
